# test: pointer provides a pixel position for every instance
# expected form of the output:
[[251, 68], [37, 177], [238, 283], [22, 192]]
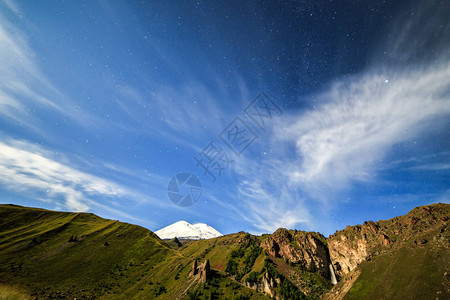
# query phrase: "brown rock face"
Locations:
[[194, 269], [205, 272], [305, 248], [346, 253], [349, 247], [266, 285], [354, 244], [344, 250]]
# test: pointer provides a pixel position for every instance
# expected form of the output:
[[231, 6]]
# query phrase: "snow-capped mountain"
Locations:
[[184, 230]]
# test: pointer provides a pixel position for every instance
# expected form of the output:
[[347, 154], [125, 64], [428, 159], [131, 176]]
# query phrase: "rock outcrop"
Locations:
[[354, 244], [265, 284], [292, 257], [347, 248], [203, 272], [194, 269], [176, 241], [307, 249]]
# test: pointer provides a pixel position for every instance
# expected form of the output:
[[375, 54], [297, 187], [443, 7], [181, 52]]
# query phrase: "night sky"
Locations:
[[342, 109]]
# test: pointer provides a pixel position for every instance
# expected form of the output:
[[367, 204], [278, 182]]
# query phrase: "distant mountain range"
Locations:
[[60, 255], [185, 230]]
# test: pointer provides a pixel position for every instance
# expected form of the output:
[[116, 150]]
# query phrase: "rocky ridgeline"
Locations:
[[287, 264], [287, 251], [347, 248], [354, 244], [307, 249]]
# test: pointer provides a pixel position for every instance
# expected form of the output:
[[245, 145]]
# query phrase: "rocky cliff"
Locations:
[[297, 255], [406, 257], [203, 272], [349, 247], [306, 249], [267, 285]]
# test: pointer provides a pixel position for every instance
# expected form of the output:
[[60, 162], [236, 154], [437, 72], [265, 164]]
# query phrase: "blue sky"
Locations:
[[103, 102]]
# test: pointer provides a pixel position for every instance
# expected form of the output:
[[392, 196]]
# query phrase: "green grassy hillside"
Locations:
[[241, 257], [408, 257], [420, 269], [59, 255]]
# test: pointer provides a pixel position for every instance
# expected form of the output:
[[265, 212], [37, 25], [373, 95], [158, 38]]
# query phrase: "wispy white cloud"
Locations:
[[31, 170], [266, 198], [343, 139], [419, 35], [25, 91], [271, 209], [347, 137], [12, 5], [27, 95], [432, 167], [186, 108]]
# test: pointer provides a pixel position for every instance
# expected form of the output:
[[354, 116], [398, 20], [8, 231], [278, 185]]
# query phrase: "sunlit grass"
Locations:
[[12, 293]]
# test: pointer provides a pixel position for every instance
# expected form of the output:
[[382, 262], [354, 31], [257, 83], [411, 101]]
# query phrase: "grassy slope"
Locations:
[[38, 259], [416, 264], [219, 252], [414, 271], [8, 292]]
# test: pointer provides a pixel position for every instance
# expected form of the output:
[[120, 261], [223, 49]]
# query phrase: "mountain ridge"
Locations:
[[61, 255]]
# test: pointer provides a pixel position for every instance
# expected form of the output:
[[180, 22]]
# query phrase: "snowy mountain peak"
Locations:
[[185, 230]]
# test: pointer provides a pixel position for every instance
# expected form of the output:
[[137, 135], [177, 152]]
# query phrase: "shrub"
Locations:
[[241, 297], [289, 290], [232, 267], [252, 277], [194, 295], [239, 253], [160, 290]]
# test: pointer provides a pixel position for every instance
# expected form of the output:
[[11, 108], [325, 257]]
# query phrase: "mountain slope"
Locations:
[[185, 230], [46, 254], [354, 244], [60, 255], [406, 257]]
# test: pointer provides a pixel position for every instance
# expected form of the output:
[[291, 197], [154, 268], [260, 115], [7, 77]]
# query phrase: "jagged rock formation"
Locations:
[[297, 255], [308, 249], [266, 284], [203, 272], [194, 269], [402, 258], [177, 242], [349, 247]]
